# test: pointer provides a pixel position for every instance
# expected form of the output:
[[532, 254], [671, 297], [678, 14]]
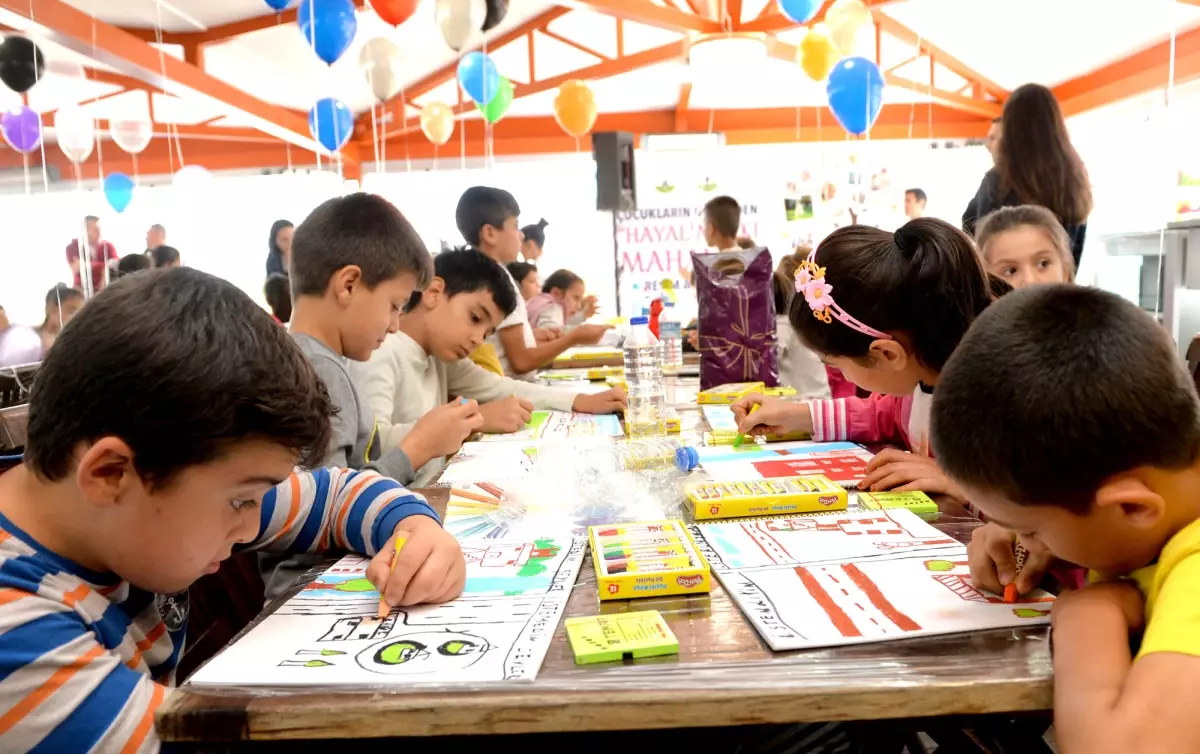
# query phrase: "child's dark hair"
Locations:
[[483, 205], [520, 270], [62, 293], [725, 214], [925, 280], [1058, 388], [471, 270], [783, 282], [210, 370], [164, 256], [131, 263], [278, 293], [363, 230], [1010, 218], [562, 280], [536, 233]]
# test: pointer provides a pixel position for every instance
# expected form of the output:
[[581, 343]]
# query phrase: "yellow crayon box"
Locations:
[[650, 559], [728, 393], [917, 502], [605, 373], [671, 420], [765, 497], [783, 391]]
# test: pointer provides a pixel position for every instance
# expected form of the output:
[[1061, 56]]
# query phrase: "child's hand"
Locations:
[[902, 471], [589, 335], [1122, 595], [590, 306], [505, 415], [547, 334], [608, 402], [430, 569], [774, 417], [994, 565], [441, 431]]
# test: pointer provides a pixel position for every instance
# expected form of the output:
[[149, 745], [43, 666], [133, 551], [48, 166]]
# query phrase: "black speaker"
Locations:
[[615, 185]]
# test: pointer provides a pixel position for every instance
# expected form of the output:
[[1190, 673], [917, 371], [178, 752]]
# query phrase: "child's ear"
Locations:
[[434, 293], [888, 355], [344, 281], [106, 471], [1132, 498]]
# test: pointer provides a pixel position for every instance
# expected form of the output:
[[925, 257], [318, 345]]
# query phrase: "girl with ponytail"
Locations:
[[887, 309], [535, 239]]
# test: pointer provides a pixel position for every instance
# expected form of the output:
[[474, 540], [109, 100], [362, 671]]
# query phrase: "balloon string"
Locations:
[[404, 117], [316, 113], [162, 65], [912, 107], [41, 131], [375, 133]]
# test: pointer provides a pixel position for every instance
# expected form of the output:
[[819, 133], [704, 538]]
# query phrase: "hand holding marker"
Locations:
[[737, 441], [1010, 589], [384, 607]]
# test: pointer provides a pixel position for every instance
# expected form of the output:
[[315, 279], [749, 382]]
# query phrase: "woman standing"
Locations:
[[535, 241], [280, 248], [1036, 164]]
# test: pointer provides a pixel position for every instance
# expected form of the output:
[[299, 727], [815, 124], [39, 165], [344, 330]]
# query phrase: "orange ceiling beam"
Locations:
[[681, 107], [772, 20], [160, 159], [898, 30], [109, 46], [1141, 72], [223, 32], [646, 12]]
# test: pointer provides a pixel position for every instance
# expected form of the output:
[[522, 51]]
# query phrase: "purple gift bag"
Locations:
[[737, 317]]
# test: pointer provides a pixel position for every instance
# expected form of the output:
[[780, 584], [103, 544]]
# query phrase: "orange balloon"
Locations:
[[575, 108], [817, 54]]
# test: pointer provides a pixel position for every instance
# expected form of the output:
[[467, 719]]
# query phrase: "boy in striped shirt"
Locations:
[[120, 505]]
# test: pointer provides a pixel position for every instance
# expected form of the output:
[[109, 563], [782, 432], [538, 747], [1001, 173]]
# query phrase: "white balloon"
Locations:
[[192, 178], [382, 63], [133, 136], [460, 20], [75, 132]]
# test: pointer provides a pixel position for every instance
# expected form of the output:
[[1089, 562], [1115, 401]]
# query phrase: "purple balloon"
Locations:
[[22, 129]]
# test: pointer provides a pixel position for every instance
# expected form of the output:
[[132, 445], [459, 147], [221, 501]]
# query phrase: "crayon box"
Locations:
[[765, 497], [729, 392], [650, 559]]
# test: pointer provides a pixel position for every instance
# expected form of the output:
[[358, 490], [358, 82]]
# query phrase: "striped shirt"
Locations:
[[86, 658]]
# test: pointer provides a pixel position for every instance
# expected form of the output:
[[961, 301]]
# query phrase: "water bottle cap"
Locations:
[[686, 458], [635, 321]]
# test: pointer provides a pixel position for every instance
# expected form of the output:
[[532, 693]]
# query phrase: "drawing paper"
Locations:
[[774, 450], [559, 425], [328, 634], [846, 467]]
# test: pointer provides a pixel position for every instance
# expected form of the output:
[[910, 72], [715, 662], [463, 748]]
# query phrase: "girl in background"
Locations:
[[279, 248], [278, 292], [62, 303], [535, 240], [529, 283], [562, 297], [887, 309], [799, 367], [1025, 245]]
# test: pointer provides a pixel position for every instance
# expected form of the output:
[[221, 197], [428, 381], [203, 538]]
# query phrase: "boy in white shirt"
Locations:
[[426, 362]]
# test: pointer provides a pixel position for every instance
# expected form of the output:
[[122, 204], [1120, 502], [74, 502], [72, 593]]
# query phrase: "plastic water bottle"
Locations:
[[670, 334], [643, 375], [636, 480], [647, 454]]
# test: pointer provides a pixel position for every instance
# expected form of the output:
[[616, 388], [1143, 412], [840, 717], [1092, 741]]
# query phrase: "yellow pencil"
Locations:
[[384, 607]]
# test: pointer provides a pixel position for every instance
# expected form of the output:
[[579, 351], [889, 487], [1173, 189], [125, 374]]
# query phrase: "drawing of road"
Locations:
[[852, 602]]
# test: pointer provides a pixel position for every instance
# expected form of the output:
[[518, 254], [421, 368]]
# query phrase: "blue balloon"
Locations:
[[328, 26], [799, 11], [278, 5], [855, 92], [478, 77], [331, 123], [118, 190]]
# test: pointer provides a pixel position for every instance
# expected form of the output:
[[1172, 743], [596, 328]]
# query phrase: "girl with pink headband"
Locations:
[[887, 309]]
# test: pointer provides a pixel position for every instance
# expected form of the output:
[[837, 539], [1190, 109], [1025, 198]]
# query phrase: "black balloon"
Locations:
[[21, 63], [497, 9]]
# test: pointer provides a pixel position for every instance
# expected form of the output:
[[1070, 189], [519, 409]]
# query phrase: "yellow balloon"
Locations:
[[437, 121], [844, 19], [817, 54], [575, 108]]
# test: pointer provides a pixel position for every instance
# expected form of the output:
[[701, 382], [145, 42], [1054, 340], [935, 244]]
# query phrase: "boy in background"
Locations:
[[119, 507], [722, 218], [487, 219], [1084, 441], [426, 360], [355, 263]]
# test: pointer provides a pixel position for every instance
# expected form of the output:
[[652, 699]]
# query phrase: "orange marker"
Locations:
[[384, 607], [1010, 590], [1010, 593]]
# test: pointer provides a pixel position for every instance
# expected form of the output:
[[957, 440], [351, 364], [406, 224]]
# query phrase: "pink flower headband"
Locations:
[[810, 280]]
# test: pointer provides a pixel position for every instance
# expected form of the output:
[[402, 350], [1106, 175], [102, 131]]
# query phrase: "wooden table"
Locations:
[[724, 675]]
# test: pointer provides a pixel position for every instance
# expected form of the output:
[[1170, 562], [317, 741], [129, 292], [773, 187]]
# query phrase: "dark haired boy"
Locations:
[[722, 218], [120, 505], [426, 360], [487, 219], [1067, 417]]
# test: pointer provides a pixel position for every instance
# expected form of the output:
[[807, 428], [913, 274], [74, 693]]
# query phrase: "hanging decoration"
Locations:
[[437, 122], [22, 129], [118, 190], [331, 123], [845, 18], [496, 11], [75, 132], [328, 26], [460, 20], [278, 5], [382, 63], [817, 54], [495, 110], [395, 12], [855, 92], [575, 108], [478, 77], [21, 63], [799, 11], [132, 136]]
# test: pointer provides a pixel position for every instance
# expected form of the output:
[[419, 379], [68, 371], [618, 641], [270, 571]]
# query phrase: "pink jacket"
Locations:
[[898, 420], [537, 304]]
